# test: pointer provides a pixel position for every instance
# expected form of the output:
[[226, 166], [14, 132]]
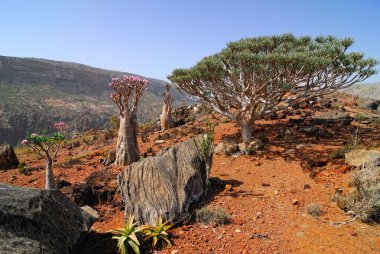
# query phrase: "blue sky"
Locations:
[[151, 38]]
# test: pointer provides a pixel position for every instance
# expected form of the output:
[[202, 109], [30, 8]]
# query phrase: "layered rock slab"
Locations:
[[167, 184]]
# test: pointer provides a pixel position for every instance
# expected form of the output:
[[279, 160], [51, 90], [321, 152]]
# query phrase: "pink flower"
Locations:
[[25, 141]]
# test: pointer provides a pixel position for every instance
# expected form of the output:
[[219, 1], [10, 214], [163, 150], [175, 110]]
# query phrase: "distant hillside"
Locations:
[[35, 93], [367, 91]]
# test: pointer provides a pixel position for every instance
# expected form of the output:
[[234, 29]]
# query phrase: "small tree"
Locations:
[[258, 76], [166, 116], [126, 95], [47, 147]]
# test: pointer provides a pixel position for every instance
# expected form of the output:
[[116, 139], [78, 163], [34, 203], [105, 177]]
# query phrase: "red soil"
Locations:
[[255, 208]]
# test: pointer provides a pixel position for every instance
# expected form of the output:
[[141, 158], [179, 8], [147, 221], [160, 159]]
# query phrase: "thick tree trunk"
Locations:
[[50, 181], [169, 119], [246, 131], [164, 117], [126, 147]]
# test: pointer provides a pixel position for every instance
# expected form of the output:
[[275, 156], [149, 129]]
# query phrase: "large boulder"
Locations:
[[35, 221], [360, 157], [8, 158], [167, 184]]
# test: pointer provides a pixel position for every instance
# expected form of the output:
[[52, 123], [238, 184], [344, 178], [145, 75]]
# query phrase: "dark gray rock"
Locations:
[[39, 221], [167, 184], [8, 158], [368, 103], [331, 118]]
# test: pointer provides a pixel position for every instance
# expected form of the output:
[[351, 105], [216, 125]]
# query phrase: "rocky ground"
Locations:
[[266, 193]]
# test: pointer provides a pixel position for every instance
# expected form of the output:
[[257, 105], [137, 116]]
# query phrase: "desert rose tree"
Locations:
[[47, 147], [166, 116], [258, 76], [126, 95]]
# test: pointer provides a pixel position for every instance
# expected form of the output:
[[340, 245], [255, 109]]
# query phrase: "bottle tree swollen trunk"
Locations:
[[127, 147], [166, 116], [50, 181], [246, 130]]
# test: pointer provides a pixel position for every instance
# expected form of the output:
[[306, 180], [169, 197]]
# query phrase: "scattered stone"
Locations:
[[228, 187], [167, 184], [264, 184], [226, 147], [276, 192], [353, 233], [258, 236], [361, 156], [174, 252], [38, 221], [8, 158], [242, 146], [295, 202], [111, 157], [306, 186], [159, 141], [300, 234]]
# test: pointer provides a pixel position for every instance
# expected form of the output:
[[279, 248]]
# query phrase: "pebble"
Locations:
[[237, 230], [276, 192], [295, 202]]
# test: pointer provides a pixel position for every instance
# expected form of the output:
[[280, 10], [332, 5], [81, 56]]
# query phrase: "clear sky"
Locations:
[[152, 37]]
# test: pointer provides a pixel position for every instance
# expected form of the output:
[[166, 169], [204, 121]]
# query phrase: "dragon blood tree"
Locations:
[[126, 95], [166, 116], [254, 77], [47, 147]]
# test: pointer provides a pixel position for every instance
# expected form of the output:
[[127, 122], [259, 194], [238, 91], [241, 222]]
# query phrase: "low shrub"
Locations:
[[208, 215], [314, 209], [364, 198]]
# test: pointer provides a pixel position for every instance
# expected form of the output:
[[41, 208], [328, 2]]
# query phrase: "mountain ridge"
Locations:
[[35, 93]]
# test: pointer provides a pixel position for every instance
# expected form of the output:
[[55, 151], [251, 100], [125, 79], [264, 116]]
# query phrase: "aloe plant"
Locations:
[[127, 236], [159, 232]]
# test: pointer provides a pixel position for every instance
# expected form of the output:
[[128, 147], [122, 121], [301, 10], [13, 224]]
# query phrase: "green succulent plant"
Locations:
[[159, 232], [127, 236]]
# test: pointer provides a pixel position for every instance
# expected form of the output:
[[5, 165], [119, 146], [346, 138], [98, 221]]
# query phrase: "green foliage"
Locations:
[[361, 117], [206, 141], [114, 122], [353, 144], [207, 215], [314, 209], [256, 76], [23, 168], [127, 236], [205, 146], [159, 232]]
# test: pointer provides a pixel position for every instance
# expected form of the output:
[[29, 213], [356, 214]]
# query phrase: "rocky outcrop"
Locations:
[[37, 221], [360, 157], [8, 158], [331, 118], [167, 184]]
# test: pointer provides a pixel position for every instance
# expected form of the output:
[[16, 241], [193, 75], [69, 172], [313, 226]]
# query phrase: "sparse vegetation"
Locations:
[[47, 147], [353, 144], [23, 168], [127, 236], [314, 209], [158, 233], [207, 215], [205, 146], [364, 198]]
